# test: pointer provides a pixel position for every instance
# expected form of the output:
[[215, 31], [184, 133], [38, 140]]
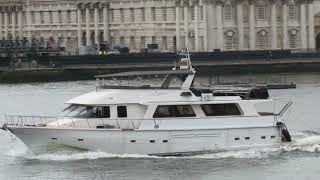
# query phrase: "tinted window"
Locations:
[[220, 109], [87, 111], [174, 111], [103, 112], [122, 111]]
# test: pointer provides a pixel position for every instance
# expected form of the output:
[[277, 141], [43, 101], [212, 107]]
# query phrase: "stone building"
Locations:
[[200, 25]]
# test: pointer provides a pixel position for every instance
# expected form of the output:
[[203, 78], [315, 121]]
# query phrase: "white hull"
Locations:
[[159, 142]]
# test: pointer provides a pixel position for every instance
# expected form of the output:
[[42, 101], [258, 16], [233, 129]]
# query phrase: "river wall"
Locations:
[[85, 72]]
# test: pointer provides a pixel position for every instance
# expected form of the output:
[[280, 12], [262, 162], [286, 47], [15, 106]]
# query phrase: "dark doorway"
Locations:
[[175, 43], [84, 39], [318, 42]]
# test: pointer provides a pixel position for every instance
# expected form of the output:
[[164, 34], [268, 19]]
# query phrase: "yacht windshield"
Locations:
[[80, 111], [147, 81]]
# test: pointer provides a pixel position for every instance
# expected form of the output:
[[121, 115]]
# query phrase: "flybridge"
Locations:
[[179, 77], [147, 80]]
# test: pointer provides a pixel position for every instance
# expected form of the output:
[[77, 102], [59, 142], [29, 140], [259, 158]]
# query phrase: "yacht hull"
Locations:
[[154, 142]]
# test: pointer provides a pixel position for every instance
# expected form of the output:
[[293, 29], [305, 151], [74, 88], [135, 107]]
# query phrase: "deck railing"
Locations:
[[59, 122], [22, 120], [94, 123]]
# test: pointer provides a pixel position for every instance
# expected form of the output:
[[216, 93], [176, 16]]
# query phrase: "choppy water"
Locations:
[[298, 161]]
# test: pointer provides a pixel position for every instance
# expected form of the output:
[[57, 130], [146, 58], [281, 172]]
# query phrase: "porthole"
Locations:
[[80, 139], [263, 137], [272, 137], [165, 141], [133, 141], [54, 138], [247, 138], [152, 141], [237, 139]]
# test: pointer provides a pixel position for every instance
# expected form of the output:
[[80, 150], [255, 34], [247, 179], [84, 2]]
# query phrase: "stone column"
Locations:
[[273, 25], [96, 27], [205, 22], [311, 25], [240, 25], [20, 24], [88, 26], [178, 40], [6, 25], [252, 27], [28, 23], [186, 26], [13, 24], [285, 25], [79, 12], [196, 26], [219, 25], [106, 36], [1, 23], [303, 26]]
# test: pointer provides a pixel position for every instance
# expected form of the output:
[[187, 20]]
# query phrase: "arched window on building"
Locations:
[[262, 39], [164, 42], [132, 42], [10, 36], [112, 15], [192, 40], [143, 18], [122, 41], [153, 13], [142, 42], [293, 39], [164, 13], [230, 40], [100, 15], [60, 41], [192, 15], [261, 12], [292, 11], [42, 41], [279, 12], [121, 15], [227, 13], [201, 43], [201, 12], [245, 11], [132, 15]]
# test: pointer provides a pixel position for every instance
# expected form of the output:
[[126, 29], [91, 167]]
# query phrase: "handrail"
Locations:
[[121, 119], [284, 109], [121, 123]]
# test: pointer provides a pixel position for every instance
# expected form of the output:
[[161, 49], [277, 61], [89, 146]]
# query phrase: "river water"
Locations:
[[298, 161]]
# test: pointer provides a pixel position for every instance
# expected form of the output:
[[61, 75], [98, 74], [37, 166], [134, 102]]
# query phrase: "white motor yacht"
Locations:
[[154, 113]]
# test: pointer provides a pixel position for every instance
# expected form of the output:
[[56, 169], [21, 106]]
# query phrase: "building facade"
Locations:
[[200, 25]]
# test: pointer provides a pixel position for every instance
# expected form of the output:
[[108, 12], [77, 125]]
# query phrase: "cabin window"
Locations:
[[220, 109], [78, 111], [164, 111], [103, 112], [122, 111]]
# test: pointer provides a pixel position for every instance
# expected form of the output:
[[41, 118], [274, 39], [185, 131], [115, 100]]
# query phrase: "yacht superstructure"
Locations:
[[167, 115]]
